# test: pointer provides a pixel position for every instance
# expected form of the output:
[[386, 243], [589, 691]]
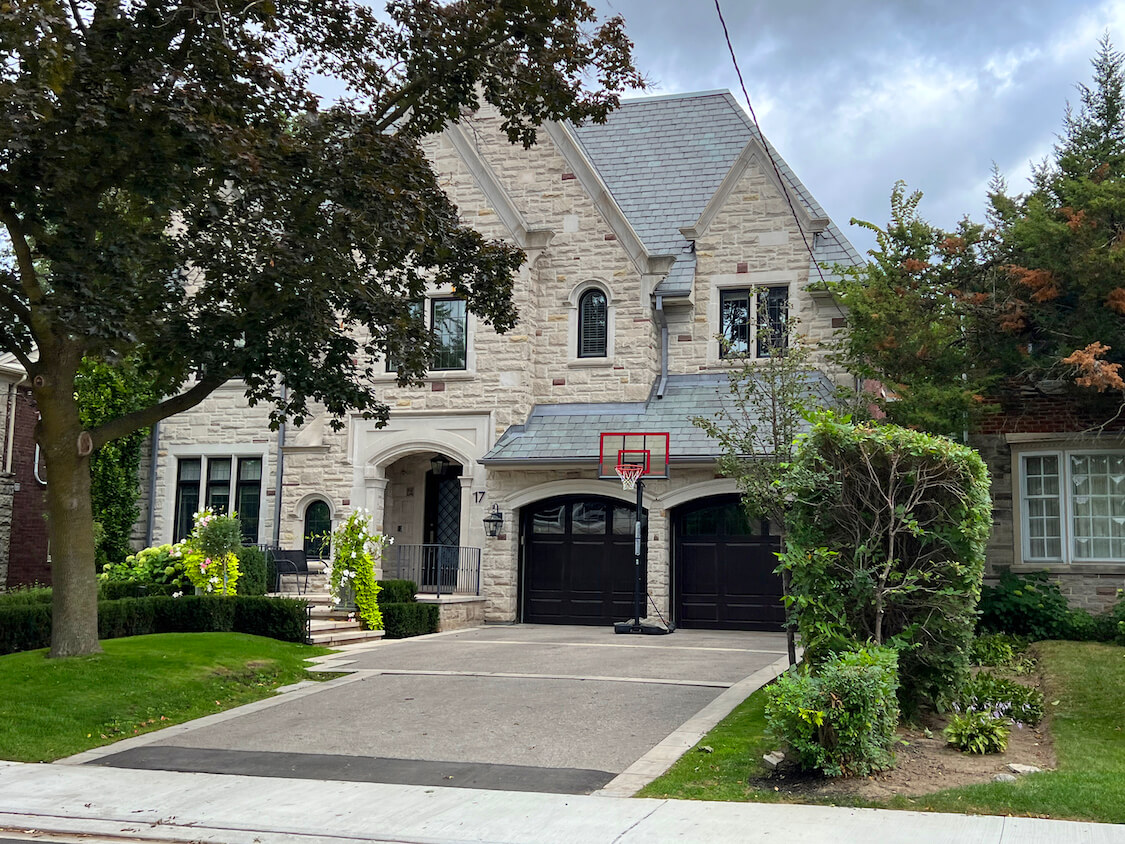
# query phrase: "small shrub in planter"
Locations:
[[977, 732], [841, 719]]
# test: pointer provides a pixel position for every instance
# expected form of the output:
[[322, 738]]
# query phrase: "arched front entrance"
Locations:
[[723, 568], [577, 560]]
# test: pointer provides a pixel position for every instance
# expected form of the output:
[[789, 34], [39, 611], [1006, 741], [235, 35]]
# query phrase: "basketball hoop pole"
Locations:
[[637, 557]]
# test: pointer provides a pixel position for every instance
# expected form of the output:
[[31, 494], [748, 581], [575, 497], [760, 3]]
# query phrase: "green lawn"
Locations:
[[1088, 681], [59, 707]]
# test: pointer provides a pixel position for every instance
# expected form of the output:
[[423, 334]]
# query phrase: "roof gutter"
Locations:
[[662, 321]]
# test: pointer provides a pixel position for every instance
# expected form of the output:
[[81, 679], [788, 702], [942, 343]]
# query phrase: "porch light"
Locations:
[[494, 521], [438, 464]]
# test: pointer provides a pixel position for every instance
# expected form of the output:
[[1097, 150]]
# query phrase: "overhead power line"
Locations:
[[766, 144]]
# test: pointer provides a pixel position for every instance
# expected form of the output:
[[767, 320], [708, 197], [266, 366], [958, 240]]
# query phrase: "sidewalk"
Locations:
[[109, 804]]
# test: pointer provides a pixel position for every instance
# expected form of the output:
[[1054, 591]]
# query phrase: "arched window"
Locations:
[[593, 324], [318, 529]]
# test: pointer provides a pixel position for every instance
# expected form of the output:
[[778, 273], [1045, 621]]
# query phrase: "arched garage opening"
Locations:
[[723, 566], [576, 562]]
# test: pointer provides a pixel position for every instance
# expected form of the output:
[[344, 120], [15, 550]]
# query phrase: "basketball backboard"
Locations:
[[649, 449]]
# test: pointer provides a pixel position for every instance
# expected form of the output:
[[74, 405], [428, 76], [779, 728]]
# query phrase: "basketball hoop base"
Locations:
[[631, 626]]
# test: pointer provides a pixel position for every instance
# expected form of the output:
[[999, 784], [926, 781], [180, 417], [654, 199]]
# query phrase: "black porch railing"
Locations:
[[438, 569]]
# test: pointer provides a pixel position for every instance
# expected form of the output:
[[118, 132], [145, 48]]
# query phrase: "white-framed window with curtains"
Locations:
[[1072, 505]]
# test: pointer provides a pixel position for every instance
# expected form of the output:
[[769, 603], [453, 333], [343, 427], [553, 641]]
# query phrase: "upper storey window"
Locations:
[[593, 324], [753, 321], [448, 321]]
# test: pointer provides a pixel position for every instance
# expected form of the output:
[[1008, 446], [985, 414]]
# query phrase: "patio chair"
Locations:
[[291, 561]]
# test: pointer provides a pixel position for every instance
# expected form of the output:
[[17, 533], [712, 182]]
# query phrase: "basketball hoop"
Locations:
[[629, 474]]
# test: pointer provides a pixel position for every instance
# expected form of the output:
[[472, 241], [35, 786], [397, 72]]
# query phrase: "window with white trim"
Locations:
[[218, 481], [1072, 505]]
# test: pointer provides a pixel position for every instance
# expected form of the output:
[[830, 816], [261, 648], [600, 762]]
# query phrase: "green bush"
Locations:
[[841, 719], [23, 595], [24, 626], [401, 621], [1002, 698], [397, 592], [1028, 605], [255, 573], [977, 732], [28, 626], [992, 649], [158, 566], [277, 618], [885, 543]]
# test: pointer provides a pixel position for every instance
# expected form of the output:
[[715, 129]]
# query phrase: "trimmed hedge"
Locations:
[[255, 571], [403, 620], [397, 592], [27, 627]]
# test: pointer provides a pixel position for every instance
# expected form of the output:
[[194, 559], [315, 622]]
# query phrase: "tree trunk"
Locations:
[[70, 523]]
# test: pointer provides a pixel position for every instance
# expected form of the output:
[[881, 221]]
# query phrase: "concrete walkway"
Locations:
[[94, 804]]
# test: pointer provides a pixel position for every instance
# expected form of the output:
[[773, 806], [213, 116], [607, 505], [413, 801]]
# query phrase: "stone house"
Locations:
[[23, 551], [1058, 489], [646, 238]]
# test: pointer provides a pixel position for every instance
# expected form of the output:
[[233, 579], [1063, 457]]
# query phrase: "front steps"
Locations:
[[329, 627]]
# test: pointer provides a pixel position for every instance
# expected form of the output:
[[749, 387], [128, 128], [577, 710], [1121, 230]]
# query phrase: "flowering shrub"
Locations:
[[162, 565], [1003, 698], [210, 559], [352, 569]]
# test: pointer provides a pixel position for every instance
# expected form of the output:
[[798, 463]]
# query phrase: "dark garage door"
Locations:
[[577, 561], [724, 566]]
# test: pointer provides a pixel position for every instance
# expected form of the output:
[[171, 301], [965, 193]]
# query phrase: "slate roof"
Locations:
[[569, 432], [662, 159]]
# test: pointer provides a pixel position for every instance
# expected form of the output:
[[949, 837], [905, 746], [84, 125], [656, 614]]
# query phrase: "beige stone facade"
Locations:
[[555, 203]]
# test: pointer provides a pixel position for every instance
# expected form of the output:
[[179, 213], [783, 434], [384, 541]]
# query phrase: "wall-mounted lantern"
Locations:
[[494, 521], [438, 464]]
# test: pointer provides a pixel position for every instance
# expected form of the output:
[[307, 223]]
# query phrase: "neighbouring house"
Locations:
[[1057, 461], [646, 238], [23, 529]]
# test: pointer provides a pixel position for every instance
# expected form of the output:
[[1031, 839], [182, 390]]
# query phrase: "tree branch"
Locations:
[[29, 279], [81, 24], [143, 418], [14, 347], [16, 306]]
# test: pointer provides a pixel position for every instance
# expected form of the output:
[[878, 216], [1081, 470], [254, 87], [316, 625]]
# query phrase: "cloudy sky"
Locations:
[[859, 94]]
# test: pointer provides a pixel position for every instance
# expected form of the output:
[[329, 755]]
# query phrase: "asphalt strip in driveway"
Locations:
[[325, 766]]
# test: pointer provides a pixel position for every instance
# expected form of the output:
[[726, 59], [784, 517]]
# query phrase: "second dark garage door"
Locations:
[[577, 561], [724, 566]]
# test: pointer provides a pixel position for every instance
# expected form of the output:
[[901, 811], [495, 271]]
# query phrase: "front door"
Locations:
[[441, 530]]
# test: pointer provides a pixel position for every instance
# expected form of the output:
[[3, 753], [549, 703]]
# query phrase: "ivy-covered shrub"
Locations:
[[401, 621], [28, 626], [1002, 698], [397, 592], [355, 548], [159, 569], [886, 537], [254, 571], [977, 732], [841, 719]]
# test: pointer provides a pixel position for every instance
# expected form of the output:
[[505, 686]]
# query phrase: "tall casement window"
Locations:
[[773, 316], [753, 316], [1073, 506], [318, 527], [217, 482], [593, 324], [449, 326], [448, 321]]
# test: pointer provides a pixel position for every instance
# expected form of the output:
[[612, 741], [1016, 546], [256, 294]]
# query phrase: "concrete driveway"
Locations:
[[525, 707]]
